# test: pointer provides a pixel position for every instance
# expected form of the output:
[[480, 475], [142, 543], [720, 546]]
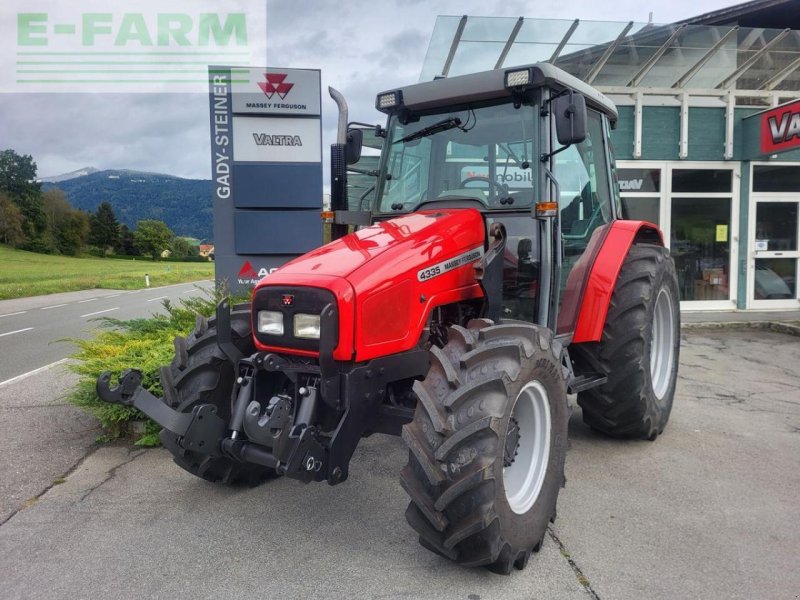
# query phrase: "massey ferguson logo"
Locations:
[[264, 139], [275, 84], [780, 128]]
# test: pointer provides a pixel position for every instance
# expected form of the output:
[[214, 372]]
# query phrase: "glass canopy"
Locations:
[[624, 54]]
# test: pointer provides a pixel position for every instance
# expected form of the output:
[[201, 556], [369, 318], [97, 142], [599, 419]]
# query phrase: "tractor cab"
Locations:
[[528, 148]]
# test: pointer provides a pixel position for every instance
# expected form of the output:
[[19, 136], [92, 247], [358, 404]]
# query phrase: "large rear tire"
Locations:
[[201, 373], [639, 349], [487, 445]]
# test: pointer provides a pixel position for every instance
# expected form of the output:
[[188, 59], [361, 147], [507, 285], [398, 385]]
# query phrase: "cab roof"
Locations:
[[490, 85]]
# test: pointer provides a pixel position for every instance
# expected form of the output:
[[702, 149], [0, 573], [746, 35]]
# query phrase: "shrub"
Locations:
[[144, 344]]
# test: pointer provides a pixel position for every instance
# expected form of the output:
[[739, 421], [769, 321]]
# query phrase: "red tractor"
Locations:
[[492, 276]]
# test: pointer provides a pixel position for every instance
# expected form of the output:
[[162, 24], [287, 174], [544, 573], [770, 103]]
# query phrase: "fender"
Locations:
[[604, 272]]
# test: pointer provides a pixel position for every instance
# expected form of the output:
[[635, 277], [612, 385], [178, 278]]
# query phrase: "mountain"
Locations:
[[71, 175], [183, 204]]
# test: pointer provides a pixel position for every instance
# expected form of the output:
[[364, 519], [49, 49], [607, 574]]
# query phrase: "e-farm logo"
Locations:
[[141, 46]]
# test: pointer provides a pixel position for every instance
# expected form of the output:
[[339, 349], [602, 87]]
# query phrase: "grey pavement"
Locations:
[[709, 510], [33, 330], [42, 437]]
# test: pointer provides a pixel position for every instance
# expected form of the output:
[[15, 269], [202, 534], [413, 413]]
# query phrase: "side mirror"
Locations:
[[355, 139], [570, 114]]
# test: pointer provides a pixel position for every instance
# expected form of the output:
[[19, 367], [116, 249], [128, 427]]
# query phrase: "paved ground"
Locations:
[[33, 330], [710, 510]]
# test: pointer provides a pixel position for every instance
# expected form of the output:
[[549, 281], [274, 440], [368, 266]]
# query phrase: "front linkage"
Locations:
[[282, 433]]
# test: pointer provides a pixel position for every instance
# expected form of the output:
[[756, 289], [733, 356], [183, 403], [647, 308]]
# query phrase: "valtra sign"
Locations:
[[780, 128]]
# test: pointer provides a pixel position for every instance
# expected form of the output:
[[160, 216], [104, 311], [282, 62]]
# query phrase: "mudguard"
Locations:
[[605, 268]]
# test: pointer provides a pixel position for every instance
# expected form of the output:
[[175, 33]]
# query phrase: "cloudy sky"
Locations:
[[361, 46]]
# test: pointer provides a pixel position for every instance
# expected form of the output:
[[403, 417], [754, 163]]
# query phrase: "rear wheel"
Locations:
[[639, 349], [201, 373], [487, 445]]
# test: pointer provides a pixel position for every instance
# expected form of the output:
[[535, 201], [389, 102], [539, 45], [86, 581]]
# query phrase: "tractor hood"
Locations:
[[421, 237], [388, 277]]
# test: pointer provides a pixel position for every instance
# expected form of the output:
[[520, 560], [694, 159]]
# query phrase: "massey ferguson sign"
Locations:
[[780, 128], [281, 92]]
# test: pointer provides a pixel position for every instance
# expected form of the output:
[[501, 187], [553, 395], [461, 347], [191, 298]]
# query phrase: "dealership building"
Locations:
[[708, 137]]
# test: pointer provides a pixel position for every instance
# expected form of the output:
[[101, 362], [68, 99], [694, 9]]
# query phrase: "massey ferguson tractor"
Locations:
[[492, 275]]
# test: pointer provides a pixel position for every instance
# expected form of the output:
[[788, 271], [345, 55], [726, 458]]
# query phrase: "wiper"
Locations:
[[443, 125]]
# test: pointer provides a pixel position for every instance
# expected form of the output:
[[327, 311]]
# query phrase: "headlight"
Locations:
[[270, 322], [306, 326]]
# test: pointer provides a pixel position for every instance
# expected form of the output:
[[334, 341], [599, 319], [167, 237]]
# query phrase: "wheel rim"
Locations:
[[662, 345], [523, 479]]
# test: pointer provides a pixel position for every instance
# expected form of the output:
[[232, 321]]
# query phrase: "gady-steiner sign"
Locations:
[[266, 147]]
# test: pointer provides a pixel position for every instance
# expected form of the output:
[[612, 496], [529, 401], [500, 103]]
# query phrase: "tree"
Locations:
[[180, 247], [56, 206], [18, 180], [72, 232], [18, 174], [152, 237], [68, 227], [10, 222], [127, 242], [104, 229]]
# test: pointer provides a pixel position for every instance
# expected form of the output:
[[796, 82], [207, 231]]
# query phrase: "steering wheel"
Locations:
[[495, 189]]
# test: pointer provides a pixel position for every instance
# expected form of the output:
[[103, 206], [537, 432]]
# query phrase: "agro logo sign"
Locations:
[[249, 276], [780, 128]]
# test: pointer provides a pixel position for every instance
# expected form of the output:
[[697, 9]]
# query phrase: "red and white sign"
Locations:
[[780, 128], [281, 92]]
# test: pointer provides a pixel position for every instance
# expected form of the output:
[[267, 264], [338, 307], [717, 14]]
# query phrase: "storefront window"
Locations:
[[775, 279], [776, 178], [702, 180], [640, 190], [700, 245], [641, 209], [776, 226]]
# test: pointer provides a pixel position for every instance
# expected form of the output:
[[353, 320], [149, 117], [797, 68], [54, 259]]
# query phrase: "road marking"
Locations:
[[99, 312], [190, 291], [34, 372], [22, 312], [54, 306], [17, 331], [111, 296], [89, 300], [154, 299]]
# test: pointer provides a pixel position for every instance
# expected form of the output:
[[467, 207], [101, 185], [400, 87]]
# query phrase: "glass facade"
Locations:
[[682, 92], [620, 53]]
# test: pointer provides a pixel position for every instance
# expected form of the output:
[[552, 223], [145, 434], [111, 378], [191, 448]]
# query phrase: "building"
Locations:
[[699, 102]]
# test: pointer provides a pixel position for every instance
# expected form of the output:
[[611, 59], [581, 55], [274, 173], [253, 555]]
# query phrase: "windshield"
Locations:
[[480, 154]]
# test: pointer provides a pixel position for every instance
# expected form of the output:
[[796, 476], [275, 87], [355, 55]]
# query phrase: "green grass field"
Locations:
[[25, 274]]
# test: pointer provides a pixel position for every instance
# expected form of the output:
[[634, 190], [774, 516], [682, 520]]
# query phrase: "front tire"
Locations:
[[201, 373], [487, 445], [639, 349]]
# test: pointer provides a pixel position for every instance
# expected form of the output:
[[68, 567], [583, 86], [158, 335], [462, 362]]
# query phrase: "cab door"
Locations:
[[587, 202]]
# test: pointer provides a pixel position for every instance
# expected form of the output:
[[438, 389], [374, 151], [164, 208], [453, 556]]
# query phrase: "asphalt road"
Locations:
[[709, 510], [33, 330]]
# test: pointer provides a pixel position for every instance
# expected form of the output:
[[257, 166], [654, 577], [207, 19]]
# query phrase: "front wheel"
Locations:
[[487, 445], [201, 373]]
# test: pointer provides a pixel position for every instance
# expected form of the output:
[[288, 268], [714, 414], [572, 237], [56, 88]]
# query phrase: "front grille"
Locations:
[[306, 300]]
